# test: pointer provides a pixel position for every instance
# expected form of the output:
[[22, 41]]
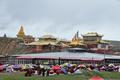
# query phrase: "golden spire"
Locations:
[[21, 33], [76, 39]]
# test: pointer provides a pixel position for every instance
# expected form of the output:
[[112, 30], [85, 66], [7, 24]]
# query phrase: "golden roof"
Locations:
[[77, 43], [48, 36], [76, 40], [43, 43], [92, 34], [104, 42]]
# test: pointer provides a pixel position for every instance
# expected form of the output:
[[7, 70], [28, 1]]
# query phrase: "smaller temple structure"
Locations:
[[92, 38], [46, 43], [90, 42], [94, 43], [21, 34]]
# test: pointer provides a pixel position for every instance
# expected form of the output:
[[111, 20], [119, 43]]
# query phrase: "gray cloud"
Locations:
[[61, 18]]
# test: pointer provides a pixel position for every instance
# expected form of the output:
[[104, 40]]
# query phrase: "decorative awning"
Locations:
[[68, 55], [62, 58]]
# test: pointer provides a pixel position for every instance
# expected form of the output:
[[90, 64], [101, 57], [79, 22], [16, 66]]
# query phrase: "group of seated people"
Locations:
[[37, 71], [73, 69], [66, 68]]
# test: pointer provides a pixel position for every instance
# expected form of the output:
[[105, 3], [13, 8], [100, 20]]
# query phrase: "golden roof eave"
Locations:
[[92, 34], [43, 43]]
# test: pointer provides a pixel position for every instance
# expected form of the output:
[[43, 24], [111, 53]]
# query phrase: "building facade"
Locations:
[[94, 43], [46, 43]]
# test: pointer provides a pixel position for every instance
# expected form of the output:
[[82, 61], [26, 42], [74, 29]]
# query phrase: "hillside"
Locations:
[[115, 45], [9, 46]]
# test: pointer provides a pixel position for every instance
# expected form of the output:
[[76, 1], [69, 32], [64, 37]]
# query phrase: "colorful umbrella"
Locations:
[[47, 67], [55, 67], [22, 66], [66, 64], [41, 66], [16, 66], [111, 65], [81, 65], [96, 78], [78, 72], [1, 67], [51, 72], [74, 64], [64, 70]]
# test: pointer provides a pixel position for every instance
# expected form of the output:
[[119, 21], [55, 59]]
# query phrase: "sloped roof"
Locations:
[[48, 36], [104, 42], [43, 43], [28, 36], [92, 34], [77, 43], [68, 55]]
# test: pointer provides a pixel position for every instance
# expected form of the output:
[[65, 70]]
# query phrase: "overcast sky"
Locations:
[[61, 18]]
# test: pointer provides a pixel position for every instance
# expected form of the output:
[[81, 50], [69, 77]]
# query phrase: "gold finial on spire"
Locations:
[[21, 33]]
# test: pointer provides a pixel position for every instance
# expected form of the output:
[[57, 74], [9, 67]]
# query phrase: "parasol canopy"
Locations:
[[96, 78], [64, 70], [1, 67], [67, 64], [81, 65], [16, 66], [46, 67], [55, 67], [78, 72], [111, 65]]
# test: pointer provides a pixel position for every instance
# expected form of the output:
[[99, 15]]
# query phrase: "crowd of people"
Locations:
[[66, 68]]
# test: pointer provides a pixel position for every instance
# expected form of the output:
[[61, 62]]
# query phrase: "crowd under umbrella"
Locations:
[[65, 68]]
